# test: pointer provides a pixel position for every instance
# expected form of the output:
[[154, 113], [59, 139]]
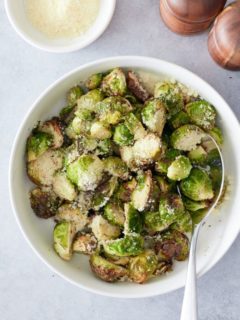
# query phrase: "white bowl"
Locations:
[[213, 242], [17, 17]]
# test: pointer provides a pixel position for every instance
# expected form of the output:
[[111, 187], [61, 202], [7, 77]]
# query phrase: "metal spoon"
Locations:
[[190, 306]]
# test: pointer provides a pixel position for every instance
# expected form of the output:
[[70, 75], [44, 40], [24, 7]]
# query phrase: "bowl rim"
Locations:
[[121, 60], [63, 49]]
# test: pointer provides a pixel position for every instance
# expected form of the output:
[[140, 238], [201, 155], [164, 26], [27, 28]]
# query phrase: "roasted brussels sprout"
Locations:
[[37, 144], [201, 113], [63, 237], [72, 214], [78, 127], [193, 206], [198, 156], [122, 135], [216, 177], [100, 131], [153, 202], [89, 100], [133, 220], [163, 267], [103, 230], [104, 192], [213, 158], [154, 115], [106, 270], [67, 113], [125, 190], [74, 94], [179, 119], [86, 172], [135, 86], [198, 186], [104, 147], [141, 194], [142, 267], [55, 129], [164, 185], [186, 137], [63, 187], [130, 245], [171, 95], [44, 203], [179, 168], [198, 215], [116, 167], [217, 135], [114, 214], [114, 84], [94, 81], [183, 223], [135, 126], [41, 171], [85, 243]]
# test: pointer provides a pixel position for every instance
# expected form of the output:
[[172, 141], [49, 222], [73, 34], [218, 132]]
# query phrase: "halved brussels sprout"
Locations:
[[186, 137], [100, 131], [106, 270], [85, 114], [164, 185], [85, 243], [114, 213], [94, 81], [198, 185], [37, 144], [74, 94], [104, 192], [171, 95], [130, 245], [44, 203], [179, 119], [89, 100], [63, 235], [135, 126], [103, 230], [41, 171], [105, 147], [154, 115], [195, 205], [71, 214], [78, 126], [141, 194], [63, 187], [179, 168], [163, 267], [198, 215], [198, 155], [142, 267], [114, 84], [116, 167], [67, 113], [217, 135], [125, 190], [153, 201], [172, 244], [201, 113], [86, 172], [122, 135], [213, 158], [136, 87], [55, 129], [183, 223], [133, 220]]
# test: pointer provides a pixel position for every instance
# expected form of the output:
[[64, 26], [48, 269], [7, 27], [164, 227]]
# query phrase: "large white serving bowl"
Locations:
[[19, 21], [214, 241]]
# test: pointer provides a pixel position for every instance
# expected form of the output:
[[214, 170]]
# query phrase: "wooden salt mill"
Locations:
[[190, 16], [224, 38]]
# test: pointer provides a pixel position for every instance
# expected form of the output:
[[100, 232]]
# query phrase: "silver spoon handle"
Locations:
[[189, 306]]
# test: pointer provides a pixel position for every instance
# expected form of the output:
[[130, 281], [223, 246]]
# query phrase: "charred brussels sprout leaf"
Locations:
[[63, 237], [114, 84], [201, 113], [37, 144], [130, 245], [133, 220], [179, 168], [74, 94], [94, 81]]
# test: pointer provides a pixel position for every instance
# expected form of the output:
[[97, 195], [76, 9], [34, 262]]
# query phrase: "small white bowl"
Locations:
[[18, 19], [213, 242]]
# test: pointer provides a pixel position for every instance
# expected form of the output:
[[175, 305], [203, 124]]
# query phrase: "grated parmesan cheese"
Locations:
[[62, 18]]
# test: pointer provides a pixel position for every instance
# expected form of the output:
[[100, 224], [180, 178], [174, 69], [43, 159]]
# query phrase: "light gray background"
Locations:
[[28, 289]]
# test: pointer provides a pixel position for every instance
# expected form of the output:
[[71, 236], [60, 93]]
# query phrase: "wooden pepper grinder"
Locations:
[[224, 38], [189, 16]]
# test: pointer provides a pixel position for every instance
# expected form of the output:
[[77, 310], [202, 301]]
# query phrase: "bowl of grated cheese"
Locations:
[[60, 25]]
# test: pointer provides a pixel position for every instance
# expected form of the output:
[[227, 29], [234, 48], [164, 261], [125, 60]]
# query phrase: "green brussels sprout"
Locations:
[[198, 215], [213, 158], [164, 185], [104, 148], [217, 135], [198, 185], [106, 270], [183, 223], [133, 220], [179, 119], [43, 203], [70, 133], [186, 137], [94, 81], [89, 100], [37, 144], [53, 127], [122, 135], [116, 167], [85, 114], [141, 194], [86, 172], [161, 166], [63, 235], [86, 144], [130, 245], [114, 213], [142, 267], [103, 230], [85, 243], [66, 114], [63, 187], [172, 154], [114, 84], [125, 191], [179, 168], [201, 113], [171, 95], [154, 115], [216, 177], [172, 244], [198, 156], [104, 192], [74, 94], [193, 206], [71, 214], [134, 126], [100, 131]]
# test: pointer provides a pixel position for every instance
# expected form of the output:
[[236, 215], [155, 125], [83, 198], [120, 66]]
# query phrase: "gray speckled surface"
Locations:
[[28, 289]]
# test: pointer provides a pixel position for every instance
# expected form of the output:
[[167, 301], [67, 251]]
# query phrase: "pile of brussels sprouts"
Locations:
[[109, 169]]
